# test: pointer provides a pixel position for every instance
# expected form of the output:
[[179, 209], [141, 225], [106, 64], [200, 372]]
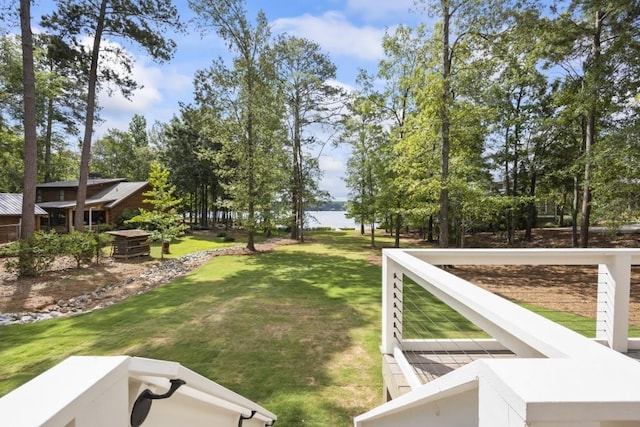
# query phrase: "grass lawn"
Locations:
[[196, 242], [297, 330]]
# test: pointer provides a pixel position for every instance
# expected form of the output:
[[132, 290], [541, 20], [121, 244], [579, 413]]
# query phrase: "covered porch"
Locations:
[[61, 215]]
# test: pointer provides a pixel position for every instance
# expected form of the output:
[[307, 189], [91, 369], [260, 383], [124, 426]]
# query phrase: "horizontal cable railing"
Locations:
[[594, 304], [436, 325]]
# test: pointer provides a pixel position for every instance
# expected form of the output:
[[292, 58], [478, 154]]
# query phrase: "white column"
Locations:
[[613, 302], [391, 304]]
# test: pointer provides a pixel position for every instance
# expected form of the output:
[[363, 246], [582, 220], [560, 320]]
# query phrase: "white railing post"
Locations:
[[614, 285], [391, 304]]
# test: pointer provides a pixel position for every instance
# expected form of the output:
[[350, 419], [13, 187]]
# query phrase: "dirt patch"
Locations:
[[570, 289], [64, 282], [109, 282]]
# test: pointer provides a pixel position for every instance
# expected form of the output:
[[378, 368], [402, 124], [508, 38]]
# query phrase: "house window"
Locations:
[[61, 195], [38, 196]]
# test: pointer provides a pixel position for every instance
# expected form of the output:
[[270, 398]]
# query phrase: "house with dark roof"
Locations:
[[11, 216], [106, 200]]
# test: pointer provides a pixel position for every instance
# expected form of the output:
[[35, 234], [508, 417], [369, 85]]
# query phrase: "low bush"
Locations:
[[228, 239], [9, 250], [104, 227], [102, 240], [221, 234], [81, 246], [36, 254]]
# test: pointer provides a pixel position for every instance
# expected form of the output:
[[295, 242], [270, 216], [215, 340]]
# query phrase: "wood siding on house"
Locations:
[[52, 194], [135, 201], [10, 227]]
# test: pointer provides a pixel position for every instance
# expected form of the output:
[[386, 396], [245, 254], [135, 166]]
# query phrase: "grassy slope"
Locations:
[[296, 330]]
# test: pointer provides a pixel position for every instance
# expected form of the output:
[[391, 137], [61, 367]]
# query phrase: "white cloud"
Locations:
[[335, 34], [341, 85], [330, 163], [334, 168], [159, 88], [380, 9], [335, 186], [141, 100]]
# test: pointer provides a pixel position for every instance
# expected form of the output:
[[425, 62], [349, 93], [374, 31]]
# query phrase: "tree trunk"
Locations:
[[214, 207], [28, 223], [531, 209], [47, 141], [507, 189], [574, 213], [88, 127], [590, 136], [294, 215], [251, 225], [397, 231], [563, 207], [205, 206], [444, 117], [294, 196], [301, 192], [373, 235]]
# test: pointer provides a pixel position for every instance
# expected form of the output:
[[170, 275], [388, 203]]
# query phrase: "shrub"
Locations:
[[9, 250], [80, 245], [35, 254], [221, 234], [228, 239], [123, 223], [102, 240], [104, 227]]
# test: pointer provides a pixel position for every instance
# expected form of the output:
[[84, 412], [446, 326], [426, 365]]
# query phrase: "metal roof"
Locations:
[[58, 204], [11, 205], [74, 183]]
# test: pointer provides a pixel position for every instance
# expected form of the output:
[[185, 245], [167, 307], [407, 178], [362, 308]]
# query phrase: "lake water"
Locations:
[[333, 219]]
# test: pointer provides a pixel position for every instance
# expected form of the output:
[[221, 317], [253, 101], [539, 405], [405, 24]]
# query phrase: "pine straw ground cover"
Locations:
[[295, 328]]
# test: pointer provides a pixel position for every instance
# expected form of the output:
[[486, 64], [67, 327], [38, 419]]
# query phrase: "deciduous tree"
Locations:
[[251, 105], [29, 121], [603, 38], [304, 71], [124, 154], [459, 21]]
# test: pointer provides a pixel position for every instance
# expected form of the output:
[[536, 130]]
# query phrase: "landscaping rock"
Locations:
[[154, 276]]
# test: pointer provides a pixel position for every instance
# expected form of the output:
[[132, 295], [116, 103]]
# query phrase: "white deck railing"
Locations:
[[545, 385], [121, 391]]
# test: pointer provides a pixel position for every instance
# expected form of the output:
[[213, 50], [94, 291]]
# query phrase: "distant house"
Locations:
[[11, 216], [106, 200]]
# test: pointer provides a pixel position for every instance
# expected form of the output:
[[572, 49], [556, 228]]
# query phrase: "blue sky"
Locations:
[[349, 31]]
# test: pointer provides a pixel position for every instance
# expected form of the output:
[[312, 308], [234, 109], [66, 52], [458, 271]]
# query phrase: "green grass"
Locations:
[[296, 330], [192, 243], [201, 241]]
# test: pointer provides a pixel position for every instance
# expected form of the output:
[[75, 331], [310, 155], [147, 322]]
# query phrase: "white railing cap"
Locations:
[[524, 256], [64, 391]]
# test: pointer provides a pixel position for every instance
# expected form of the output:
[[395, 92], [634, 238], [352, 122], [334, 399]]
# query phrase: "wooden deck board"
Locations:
[[429, 366]]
